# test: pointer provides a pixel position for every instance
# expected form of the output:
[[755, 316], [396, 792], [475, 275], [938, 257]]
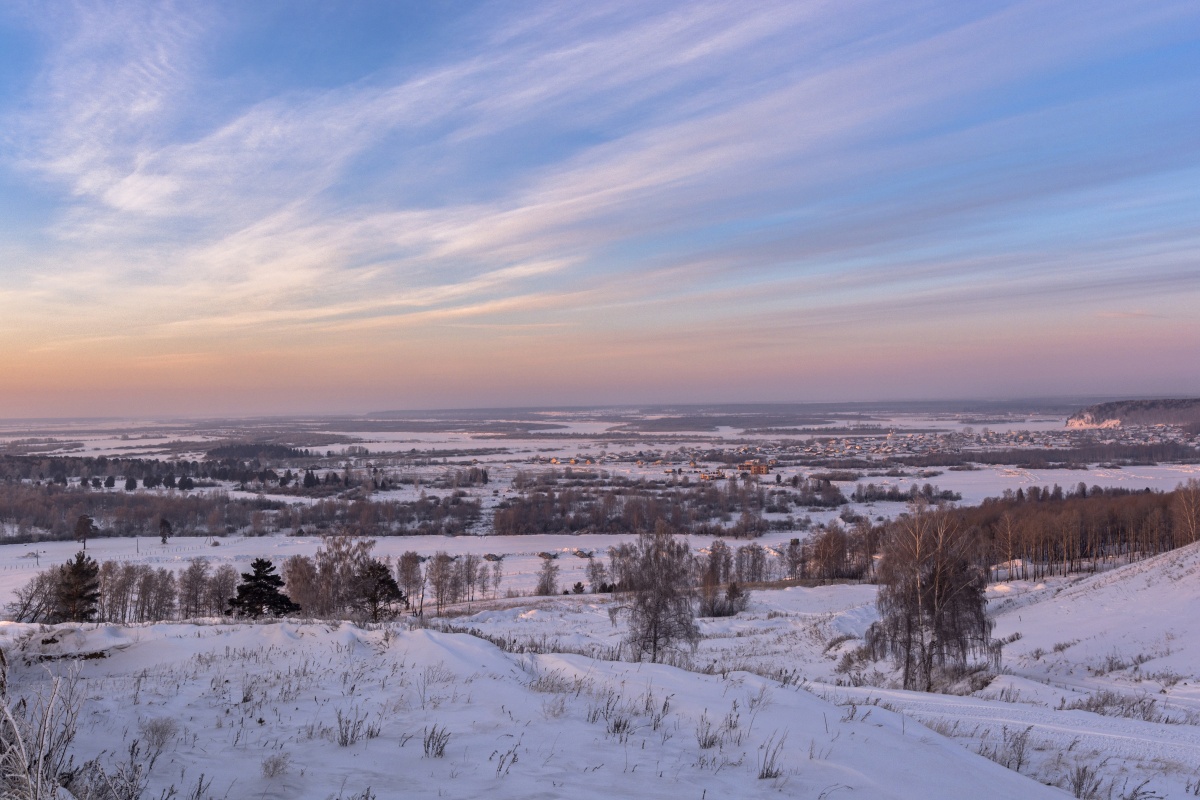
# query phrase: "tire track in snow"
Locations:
[[1118, 737]]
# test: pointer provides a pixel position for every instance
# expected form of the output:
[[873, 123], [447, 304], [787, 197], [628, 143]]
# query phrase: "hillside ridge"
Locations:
[[1137, 412]]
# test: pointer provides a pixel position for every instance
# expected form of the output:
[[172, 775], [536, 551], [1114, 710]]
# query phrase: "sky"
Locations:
[[312, 207]]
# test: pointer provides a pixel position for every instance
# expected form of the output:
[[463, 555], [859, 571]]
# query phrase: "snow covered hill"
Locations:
[[294, 710], [1105, 676], [1100, 695]]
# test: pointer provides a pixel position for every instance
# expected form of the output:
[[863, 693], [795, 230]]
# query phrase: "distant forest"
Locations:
[[1184, 412]]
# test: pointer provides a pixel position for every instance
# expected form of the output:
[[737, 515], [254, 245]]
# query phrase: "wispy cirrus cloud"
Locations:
[[619, 169]]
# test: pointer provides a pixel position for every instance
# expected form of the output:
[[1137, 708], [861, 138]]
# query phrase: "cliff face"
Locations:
[[1086, 419], [1137, 412]]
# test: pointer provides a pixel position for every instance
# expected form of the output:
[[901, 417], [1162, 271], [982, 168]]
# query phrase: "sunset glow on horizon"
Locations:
[[226, 208]]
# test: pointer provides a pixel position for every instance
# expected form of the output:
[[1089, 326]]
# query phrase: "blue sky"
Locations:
[[311, 207]]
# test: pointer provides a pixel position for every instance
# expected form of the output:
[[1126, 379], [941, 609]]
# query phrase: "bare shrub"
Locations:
[[200, 790], [123, 780], [505, 760], [1113, 662], [554, 707], [1139, 792], [550, 682], [157, 733], [365, 794], [275, 765], [1083, 780], [838, 640], [35, 736], [1167, 678], [707, 737], [436, 740], [350, 726], [768, 761], [1011, 751], [1113, 704], [715, 604]]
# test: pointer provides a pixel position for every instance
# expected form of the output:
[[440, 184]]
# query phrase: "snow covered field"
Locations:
[[288, 710], [1099, 692], [1123, 642]]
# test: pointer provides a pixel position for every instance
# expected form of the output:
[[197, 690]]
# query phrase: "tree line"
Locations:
[[1032, 533], [34, 512], [869, 492], [702, 509], [343, 580], [1056, 458]]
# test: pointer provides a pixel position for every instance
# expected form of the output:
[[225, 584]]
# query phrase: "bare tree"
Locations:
[[193, 585], [751, 563], [222, 588], [338, 561], [301, 582], [411, 579], [35, 600], [719, 564], [497, 575], [829, 552], [597, 573], [441, 574], [408, 572], [1186, 512], [470, 564], [794, 559], [1007, 539], [931, 599], [547, 583], [657, 593], [161, 603]]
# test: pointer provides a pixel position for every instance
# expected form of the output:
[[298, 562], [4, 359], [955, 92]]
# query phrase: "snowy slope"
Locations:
[[1132, 629], [1124, 644], [520, 726]]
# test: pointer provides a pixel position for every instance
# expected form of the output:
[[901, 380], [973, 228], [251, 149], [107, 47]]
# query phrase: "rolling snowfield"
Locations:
[[338, 710], [1098, 694]]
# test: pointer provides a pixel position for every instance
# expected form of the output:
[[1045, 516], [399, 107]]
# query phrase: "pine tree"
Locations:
[[85, 527], [164, 529], [258, 594], [78, 591], [376, 592]]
